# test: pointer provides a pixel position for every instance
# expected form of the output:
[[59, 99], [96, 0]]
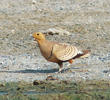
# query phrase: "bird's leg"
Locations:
[[70, 62], [61, 65]]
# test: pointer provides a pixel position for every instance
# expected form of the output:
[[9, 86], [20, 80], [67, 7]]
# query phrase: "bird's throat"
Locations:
[[40, 41]]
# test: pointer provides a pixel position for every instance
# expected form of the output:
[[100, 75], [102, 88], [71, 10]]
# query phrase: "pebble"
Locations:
[[57, 31]]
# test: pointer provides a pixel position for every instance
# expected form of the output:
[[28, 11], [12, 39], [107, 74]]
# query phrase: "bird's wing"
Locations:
[[64, 51]]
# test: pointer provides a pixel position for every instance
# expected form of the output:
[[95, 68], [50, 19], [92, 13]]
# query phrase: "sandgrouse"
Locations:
[[58, 52]]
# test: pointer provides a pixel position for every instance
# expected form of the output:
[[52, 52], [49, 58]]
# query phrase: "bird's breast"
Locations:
[[46, 51]]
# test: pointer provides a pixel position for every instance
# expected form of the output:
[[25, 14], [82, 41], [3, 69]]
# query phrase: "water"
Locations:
[[3, 93]]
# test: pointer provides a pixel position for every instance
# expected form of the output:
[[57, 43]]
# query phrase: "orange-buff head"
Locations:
[[38, 36]]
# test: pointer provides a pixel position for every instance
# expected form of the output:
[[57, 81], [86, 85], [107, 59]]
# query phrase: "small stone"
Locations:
[[51, 78], [105, 71], [2, 85], [18, 88], [36, 82], [13, 31], [65, 82], [57, 31], [34, 1]]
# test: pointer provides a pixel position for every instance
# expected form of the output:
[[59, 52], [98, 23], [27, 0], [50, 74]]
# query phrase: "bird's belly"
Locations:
[[50, 58], [53, 59]]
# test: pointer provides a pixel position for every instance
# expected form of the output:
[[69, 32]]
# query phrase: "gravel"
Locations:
[[87, 21]]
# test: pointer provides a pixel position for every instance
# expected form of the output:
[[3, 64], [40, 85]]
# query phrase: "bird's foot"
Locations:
[[67, 70], [63, 70], [59, 71], [68, 65]]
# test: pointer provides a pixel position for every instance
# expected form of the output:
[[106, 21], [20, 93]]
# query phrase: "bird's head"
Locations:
[[38, 36]]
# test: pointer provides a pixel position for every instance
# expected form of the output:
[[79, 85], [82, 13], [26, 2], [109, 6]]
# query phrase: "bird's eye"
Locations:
[[37, 34]]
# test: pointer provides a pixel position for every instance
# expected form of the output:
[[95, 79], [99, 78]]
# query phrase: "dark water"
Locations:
[[3, 92]]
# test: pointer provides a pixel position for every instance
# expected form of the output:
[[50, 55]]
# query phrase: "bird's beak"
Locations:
[[34, 35], [33, 38]]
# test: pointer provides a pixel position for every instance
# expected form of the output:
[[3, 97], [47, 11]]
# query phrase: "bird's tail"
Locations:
[[82, 54], [85, 53]]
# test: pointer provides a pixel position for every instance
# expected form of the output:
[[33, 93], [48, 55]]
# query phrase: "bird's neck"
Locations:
[[43, 45], [41, 41]]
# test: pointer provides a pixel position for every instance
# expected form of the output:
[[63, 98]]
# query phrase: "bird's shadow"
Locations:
[[36, 71], [31, 71]]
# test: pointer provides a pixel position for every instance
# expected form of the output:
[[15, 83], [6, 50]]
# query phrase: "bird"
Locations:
[[58, 52]]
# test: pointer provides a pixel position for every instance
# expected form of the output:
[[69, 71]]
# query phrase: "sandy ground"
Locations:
[[88, 21]]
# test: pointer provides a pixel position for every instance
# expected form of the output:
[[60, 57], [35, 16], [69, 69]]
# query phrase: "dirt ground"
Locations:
[[88, 21]]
